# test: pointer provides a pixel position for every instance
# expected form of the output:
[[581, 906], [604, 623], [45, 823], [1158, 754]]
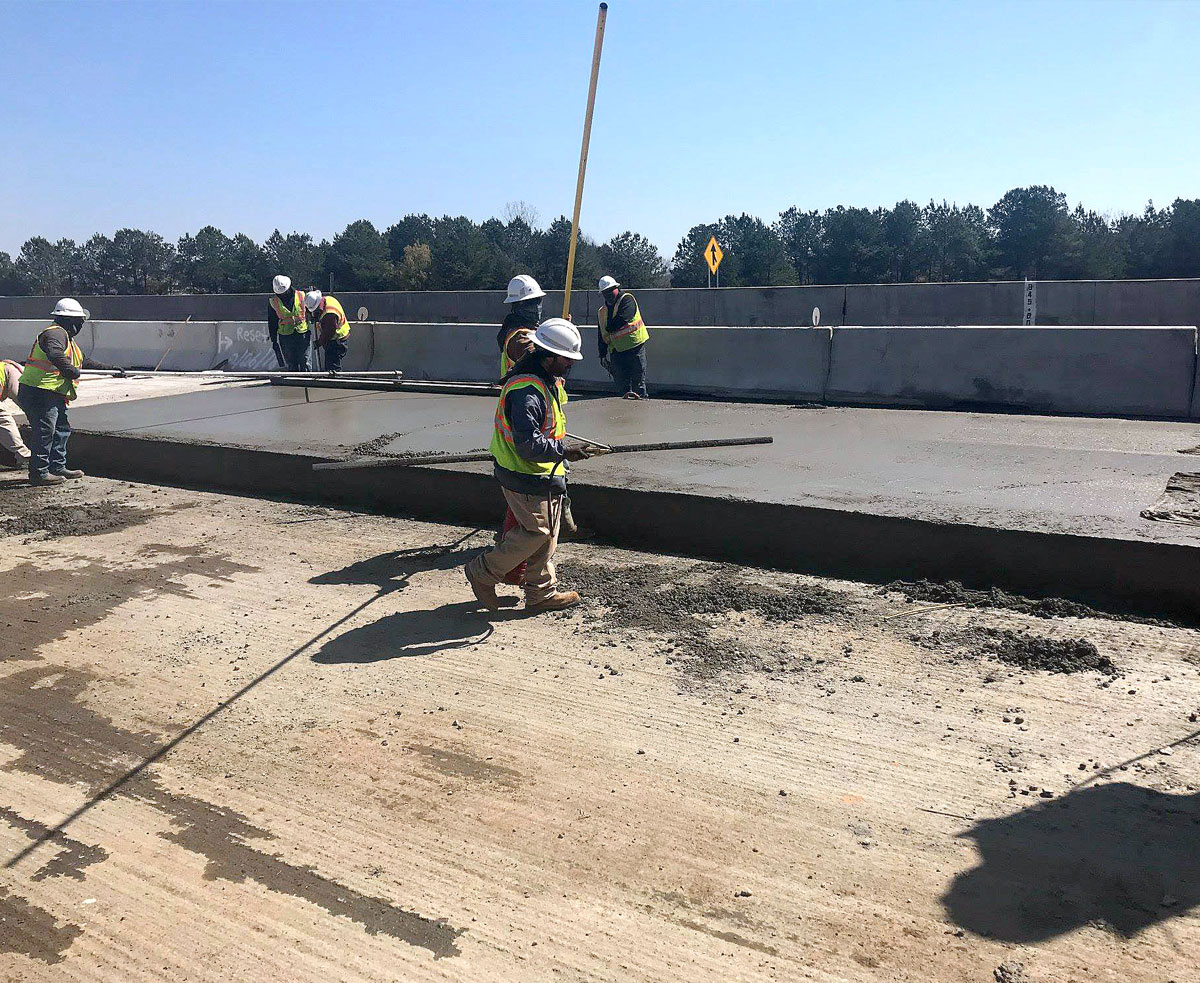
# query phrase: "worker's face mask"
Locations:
[[610, 296], [530, 310], [72, 325]]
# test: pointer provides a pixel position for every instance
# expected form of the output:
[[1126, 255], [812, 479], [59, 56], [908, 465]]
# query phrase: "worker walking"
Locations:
[[530, 456], [622, 339], [46, 387], [16, 454], [332, 327], [288, 327], [515, 337]]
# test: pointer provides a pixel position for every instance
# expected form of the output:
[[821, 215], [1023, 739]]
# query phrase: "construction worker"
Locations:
[[622, 339], [288, 327], [515, 337], [16, 454], [331, 325], [46, 387], [530, 456]]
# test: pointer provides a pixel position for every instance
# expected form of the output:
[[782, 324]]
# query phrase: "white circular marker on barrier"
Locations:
[[362, 313], [816, 316]]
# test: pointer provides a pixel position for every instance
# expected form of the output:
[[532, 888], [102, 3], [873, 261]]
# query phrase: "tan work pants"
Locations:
[[532, 541], [10, 436]]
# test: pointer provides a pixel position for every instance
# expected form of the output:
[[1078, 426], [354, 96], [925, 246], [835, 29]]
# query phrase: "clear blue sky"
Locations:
[[252, 116]]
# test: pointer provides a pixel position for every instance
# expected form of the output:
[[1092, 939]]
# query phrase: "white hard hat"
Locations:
[[70, 307], [607, 283], [560, 337], [312, 300], [523, 287], [281, 283]]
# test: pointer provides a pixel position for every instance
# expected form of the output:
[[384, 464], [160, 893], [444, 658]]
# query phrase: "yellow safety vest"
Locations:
[[630, 336], [331, 305], [41, 373], [503, 446], [13, 370], [290, 321], [506, 363]]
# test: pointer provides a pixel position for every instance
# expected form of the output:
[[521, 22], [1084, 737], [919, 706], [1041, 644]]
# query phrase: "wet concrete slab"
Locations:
[[1038, 506], [1080, 476]]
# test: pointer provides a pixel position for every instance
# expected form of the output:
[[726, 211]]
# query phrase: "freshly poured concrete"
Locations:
[[1088, 477]]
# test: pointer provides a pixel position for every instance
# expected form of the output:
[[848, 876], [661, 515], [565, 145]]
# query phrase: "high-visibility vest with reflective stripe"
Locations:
[[331, 305], [290, 321], [630, 336], [9, 370], [503, 446], [41, 373], [506, 363]]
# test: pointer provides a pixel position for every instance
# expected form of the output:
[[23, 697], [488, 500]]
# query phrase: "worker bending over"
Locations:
[[332, 327], [46, 387], [622, 339], [530, 456], [287, 326], [524, 315], [16, 454]]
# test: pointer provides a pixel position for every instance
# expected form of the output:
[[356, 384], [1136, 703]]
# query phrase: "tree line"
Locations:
[[1030, 232]]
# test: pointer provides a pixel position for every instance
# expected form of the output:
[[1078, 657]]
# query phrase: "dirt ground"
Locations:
[[258, 741]]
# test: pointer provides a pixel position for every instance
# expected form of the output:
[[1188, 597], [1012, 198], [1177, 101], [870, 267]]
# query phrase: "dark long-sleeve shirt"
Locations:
[[273, 334], [527, 410], [53, 342], [618, 316]]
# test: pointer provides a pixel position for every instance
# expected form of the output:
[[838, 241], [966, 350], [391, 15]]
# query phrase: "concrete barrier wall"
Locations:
[[16, 337], [935, 303], [1134, 371], [169, 345], [1084, 302]]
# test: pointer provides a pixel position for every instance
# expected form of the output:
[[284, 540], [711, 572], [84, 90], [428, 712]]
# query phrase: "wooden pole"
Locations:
[[583, 156]]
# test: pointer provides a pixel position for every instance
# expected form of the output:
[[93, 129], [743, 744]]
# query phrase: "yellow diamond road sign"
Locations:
[[713, 254]]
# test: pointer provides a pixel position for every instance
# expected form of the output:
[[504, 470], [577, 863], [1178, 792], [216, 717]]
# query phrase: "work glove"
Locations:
[[580, 453]]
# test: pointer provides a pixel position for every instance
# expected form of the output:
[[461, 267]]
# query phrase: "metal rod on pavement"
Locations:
[[393, 385], [417, 460], [589, 441], [583, 156], [265, 374]]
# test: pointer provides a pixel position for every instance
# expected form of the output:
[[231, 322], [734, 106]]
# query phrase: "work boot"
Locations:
[[46, 479], [484, 594], [71, 473], [555, 602], [631, 395]]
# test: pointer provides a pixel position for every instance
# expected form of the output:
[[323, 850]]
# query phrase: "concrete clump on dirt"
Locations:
[[1048, 654], [63, 519], [668, 600], [952, 592], [1010, 972]]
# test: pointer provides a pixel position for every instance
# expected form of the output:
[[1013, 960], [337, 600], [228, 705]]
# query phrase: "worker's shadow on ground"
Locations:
[[1118, 856], [391, 571], [407, 634]]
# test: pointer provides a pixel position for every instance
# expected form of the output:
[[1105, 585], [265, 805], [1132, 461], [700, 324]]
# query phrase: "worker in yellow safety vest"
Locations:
[[288, 327], [15, 453], [530, 458], [45, 388], [622, 339], [515, 337], [332, 326]]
